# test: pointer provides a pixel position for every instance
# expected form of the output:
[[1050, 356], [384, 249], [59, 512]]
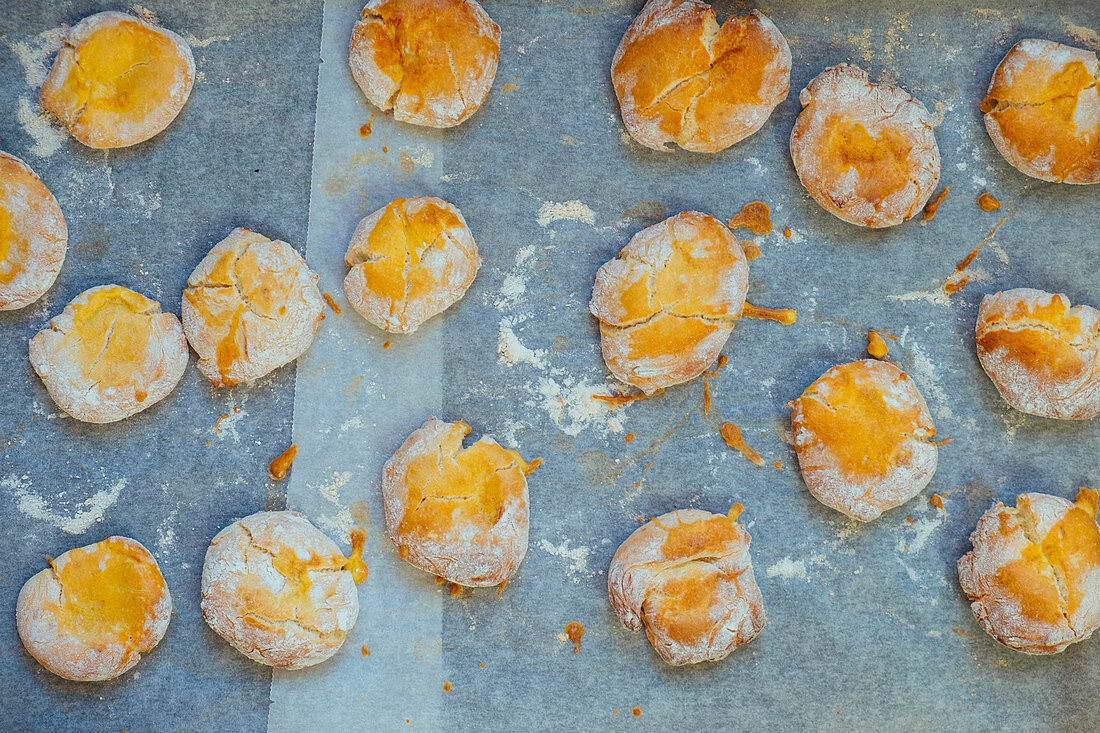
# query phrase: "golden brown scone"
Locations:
[[93, 613], [33, 235], [865, 152], [680, 78], [460, 513], [409, 261], [1034, 572], [251, 306], [1042, 111], [687, 577], [110, 354], [278, 590], [431, 61], [667, 303], [118, 80], [863, 436], [1042, 355]]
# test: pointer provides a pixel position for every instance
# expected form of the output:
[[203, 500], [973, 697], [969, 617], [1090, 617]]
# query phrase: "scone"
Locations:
[[110, 354], [459, 513], [863, 436], [33, 235], [251, 306], [93, 613], [865, 152], [409, 261], [1034, 572], [687, 577], [667, 303], [1042, 111], [431, 61], [278, 590], [680, 78], [118, 80], [1042, 354]]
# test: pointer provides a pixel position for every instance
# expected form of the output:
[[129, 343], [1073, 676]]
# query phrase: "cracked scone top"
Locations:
[[680, 78], [667, 303], [865, 152], [863, 436], [33, 235], [1042, 354], [1034, 572], [459, 513], [278, 590], [687, 577], [118, 80], [1042, 111], [251, 306], [431, 61], [93, 613], [409, 261], [109, 355]]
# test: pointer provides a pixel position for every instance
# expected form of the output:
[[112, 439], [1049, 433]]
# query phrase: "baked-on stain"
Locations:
[[732, 435], [736, 511], [574, 631], [751, 250], [618, 399], [876, 347], [987, 202], [456, 590], [787, 232], [447, 687], [509, 87], [355, 564], [629, 438], [218, 424], [278, 467], [937, 501], [786, 316], [777, 466], [957, 280], [755, 216], [933, 206], [365, 130], [636, 712], [706, 396], [365, 651], [108, 592], [332, 304], [387, 345]]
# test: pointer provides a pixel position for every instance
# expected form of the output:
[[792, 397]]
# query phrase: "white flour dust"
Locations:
[[577, 557], [83, 514], [552, 211]]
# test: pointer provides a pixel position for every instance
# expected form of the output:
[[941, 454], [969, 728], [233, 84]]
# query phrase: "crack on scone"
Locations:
[[327, 637], [1026, 521], [454, 74]]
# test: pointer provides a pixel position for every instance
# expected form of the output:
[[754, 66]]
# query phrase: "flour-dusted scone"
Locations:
[[93, 613], [687, 577], [110, 354], [865, 152], [33, 235], [118, 80], [680, 78], [1042, 354], [279, 590], [251, 306], [863, 436], [1034, 572], [431, 61], [667, 303], [409, 261], [1042, 111], [459, 513]]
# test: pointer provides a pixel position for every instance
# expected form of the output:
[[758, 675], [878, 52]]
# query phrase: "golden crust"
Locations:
[[118, 80], [278, 590], [680, 78], [866, 152], [667, 303], [251, 306], [431, 61], [110, 354], [409, 261], [459, 513], [1034, 572], [93, 613], [687, 577], [1042, 111], [862, 433], [33, 235], [1042, 354]]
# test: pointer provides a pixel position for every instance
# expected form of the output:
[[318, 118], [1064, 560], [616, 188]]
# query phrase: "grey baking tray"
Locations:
[[867, 629]]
